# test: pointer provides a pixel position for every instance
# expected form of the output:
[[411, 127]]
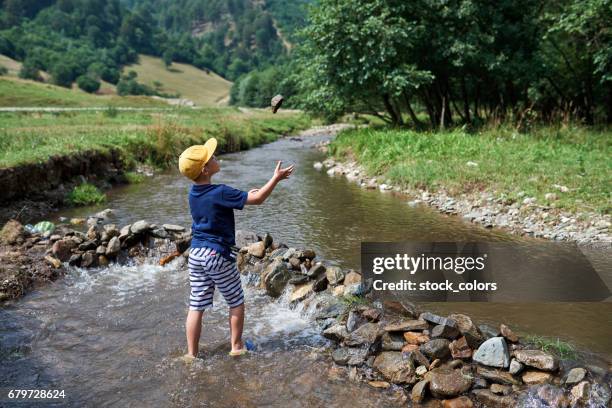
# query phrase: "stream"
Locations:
[[111, 336]]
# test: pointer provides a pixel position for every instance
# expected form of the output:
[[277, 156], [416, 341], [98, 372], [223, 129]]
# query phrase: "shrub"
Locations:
[[88, 84], [85, 194], [134, 178], [3, 70]]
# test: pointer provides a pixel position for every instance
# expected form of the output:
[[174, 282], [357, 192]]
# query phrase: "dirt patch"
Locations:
[[32, 190]]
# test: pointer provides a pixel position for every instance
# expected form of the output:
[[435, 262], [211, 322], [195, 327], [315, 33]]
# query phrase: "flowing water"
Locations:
[[111, 336]]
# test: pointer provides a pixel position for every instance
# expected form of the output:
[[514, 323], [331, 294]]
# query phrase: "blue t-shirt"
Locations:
[[212, 210]]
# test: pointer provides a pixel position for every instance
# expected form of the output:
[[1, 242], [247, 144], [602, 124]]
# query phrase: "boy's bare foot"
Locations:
[[188, 358], [238, 346]]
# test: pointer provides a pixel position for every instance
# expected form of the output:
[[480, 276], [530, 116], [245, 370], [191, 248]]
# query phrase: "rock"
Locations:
[[349, 356], [419, 391], [89, 244], [100, 250], [334, 275], [339, 290], [508, 334], [275, 277], [354, 321], [318, 165], [515, 367], [337, 332], [301, 292], [268, 240], [501, 389], [289, 253], [421, 370], [480, 383], [436, 349], [488, 399], [444, 383], [407, 325], [433, 318], [409, 348], [109, 231], [550, 196], [415, 338], [536, 377], [306, 254], [316, 270], [93, 233], [379, 384], [575, 375], [488, 332], [459, 402], [295, 264], [352, 278], [77, 221], [87, 259], [402, 308], [245, 238], [56, 263], [113, 247], [103, 260], [257, 249], [395, 367], [371, 314], [139, 227], [445, 331], [392, 342], [62, 249], [12, 233], [537, 359], [418, 359], [298, 279], [493, 352], [124, 232], [581, 392], [497, 376], [320, 284], [75, 260], [174, 228], [160, 233], [365, 334], [460, 348], [353, 290]]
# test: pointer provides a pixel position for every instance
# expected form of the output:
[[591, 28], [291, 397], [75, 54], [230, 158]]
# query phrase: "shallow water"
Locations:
[[109, 337]]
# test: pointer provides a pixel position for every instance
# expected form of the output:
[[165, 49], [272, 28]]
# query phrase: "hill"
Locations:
[[203, 88], [16, 92]]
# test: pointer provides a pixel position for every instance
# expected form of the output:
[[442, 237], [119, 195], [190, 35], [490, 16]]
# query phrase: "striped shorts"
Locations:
[[207, 270]]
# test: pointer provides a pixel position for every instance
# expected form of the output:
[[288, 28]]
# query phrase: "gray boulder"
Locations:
[[493, 353]]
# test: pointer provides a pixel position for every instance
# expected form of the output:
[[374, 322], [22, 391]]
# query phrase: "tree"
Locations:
[[167, 57], [62, 74], [30, 70], [88, 84]]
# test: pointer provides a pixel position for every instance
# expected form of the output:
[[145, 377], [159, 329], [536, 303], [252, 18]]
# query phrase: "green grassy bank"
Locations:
[[500, 159], [153, 137]]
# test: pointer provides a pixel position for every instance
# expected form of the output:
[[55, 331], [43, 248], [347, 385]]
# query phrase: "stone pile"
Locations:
[[448, 360]]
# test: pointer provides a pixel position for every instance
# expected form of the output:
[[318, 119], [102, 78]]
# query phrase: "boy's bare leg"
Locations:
[[236, 322], [193, 328]]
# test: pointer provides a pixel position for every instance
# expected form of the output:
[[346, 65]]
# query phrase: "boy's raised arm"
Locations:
[[258, 195]]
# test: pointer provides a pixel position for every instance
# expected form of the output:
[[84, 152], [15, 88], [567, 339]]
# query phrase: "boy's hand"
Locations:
[[281, 174]]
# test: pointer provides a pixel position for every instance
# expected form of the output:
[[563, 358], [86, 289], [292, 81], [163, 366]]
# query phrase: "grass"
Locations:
[[556, 346], [85, 194], [505, 161], [134, 177], [16, 92], [205, 89], [151, 137]]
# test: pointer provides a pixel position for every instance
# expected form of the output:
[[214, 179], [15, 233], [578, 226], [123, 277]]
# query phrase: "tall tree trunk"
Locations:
[[389, 108], [466, 102], [413, 116]]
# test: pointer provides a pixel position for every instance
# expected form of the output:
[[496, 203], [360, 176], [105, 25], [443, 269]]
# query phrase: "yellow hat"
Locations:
[[193, 159]]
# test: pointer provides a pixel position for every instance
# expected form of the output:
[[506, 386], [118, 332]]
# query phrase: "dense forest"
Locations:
[[89, 40], [432, 62]]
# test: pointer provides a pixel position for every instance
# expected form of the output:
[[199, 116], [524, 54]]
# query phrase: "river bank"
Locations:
[[396, 347], [512, 210], [64, 149]]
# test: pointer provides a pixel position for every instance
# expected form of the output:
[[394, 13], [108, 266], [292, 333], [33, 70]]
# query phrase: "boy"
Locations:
[[211, 263]]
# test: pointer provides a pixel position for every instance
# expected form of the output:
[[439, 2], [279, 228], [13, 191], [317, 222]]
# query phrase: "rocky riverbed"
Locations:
[[447, 361], [490, 208]]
